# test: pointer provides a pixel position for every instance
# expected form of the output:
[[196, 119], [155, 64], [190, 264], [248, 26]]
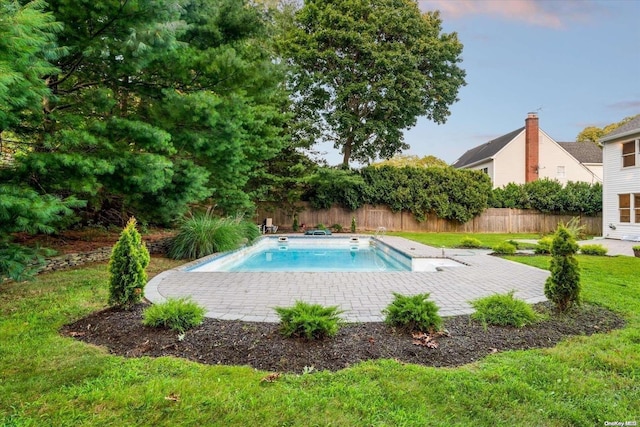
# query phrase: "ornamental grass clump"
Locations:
[[127, 275], [413, 313], [203, 234], [563, 286], [176, 314], [310, 321], [503, 310]]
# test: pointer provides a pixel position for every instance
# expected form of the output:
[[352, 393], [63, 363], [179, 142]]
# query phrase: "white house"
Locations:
[[528, 153], [621, 186]]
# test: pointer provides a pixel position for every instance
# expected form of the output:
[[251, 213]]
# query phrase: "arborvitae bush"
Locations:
[[563, 286], [310, 321], [177, 314], [470, 242], [413, 313], [593, 250], [353, 224], [503, 310], [295, 226], [504, 248], [127, 275]]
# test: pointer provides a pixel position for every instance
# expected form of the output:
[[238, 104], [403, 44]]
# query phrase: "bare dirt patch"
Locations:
[[261, 346]]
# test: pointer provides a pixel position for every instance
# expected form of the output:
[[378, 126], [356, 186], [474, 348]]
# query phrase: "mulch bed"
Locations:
[[261, 346]]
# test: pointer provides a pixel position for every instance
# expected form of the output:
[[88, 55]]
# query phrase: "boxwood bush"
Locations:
[[470, 242], [504, 248], [594, 249]]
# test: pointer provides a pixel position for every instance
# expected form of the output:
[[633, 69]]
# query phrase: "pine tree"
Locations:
[[127, 275], [563, 286]]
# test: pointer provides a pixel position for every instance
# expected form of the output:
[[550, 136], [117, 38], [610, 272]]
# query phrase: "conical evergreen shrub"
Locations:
[[563, 286], [127, 275]]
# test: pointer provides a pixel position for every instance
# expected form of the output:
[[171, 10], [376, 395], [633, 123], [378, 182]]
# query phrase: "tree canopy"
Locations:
[[594, 133], [153, 105], [363, 71]]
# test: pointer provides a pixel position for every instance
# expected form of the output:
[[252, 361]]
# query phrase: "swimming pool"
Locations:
[[310, 254]]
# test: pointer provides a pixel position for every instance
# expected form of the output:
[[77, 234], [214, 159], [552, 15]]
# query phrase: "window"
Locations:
[[636, 205], [485, 170], [629, 154], [560, 172], [624, 202]]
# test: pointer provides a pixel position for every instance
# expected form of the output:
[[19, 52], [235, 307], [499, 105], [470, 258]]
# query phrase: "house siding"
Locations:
[[509, 163], [617, 180], [553, 156]]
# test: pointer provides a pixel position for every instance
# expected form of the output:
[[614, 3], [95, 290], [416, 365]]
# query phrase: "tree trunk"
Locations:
[[346, 150]]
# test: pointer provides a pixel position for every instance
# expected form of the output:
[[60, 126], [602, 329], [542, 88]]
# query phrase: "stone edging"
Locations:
[[102, 254]]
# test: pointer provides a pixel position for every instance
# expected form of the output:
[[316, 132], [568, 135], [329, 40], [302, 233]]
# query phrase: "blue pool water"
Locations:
[[311, 255]]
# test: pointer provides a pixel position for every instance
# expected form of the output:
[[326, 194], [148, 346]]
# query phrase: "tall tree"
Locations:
[[594, 133], [364, 71], [157, 104]]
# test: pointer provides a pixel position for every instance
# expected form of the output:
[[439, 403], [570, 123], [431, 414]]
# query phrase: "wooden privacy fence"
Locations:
[[369, 218]]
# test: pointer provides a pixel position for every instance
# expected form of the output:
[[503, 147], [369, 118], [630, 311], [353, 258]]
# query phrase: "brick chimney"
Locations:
[[532, 147]]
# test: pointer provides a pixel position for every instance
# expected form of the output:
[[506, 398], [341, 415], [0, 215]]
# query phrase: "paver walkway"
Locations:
[[252, 296]]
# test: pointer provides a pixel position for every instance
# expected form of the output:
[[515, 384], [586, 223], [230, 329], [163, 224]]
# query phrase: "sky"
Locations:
[[576, 63]]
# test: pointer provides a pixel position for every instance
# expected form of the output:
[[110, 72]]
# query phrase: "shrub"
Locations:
[[337, 228], [504, 248], [203, 234], [470, 242], [295, 227], [321, 226], [503, 310], [563, 286], [593, 250], [575, 229], [177, 314], [636, 248], [353, 224], [127, 276], [413, 313], [544, 245], [310, 321]]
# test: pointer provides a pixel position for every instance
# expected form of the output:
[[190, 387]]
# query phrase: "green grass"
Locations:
[[452, 240], [48, 380]]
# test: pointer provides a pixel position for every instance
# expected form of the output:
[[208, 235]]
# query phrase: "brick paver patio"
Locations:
[[252, 296]]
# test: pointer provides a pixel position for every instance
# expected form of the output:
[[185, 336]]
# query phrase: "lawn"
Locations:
[[48, 380], [452, 240]]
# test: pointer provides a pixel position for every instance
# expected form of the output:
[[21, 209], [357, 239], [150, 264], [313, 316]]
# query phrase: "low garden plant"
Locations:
[[594, 249], [504, 248], [413, 313], [178, 314], [544, 246], [470, 242], [310, 321], [503, 310]]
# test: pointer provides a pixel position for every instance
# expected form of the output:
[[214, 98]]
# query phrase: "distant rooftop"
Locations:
[[584, 152], [487, 150]]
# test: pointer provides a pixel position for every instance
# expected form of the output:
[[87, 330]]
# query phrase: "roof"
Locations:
[[584, 152], [632, 126], [486, 150]]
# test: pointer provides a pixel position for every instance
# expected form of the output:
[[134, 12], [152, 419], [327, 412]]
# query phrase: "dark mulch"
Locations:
[[261, 346]]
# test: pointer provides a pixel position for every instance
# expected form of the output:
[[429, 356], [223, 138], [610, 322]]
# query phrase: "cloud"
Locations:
[[626, 105], [550, 14]]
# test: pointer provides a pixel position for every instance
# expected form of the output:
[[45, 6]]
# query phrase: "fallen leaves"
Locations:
[[427, 340], [271, 377], [173, 397]]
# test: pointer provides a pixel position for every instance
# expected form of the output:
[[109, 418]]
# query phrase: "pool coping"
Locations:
[[252, 296]]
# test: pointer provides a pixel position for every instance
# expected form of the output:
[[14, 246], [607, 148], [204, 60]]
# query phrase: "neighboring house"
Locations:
[[528, 153], [621, 186]]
